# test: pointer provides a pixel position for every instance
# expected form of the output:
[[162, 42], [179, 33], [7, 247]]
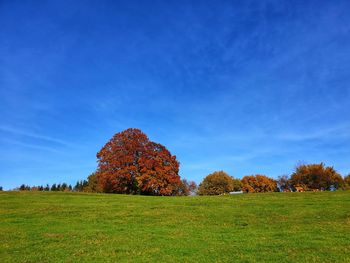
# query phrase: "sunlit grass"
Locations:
[[71, 227]]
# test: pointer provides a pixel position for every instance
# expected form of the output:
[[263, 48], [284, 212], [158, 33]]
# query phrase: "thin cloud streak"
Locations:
[[33, 146], [17, 131]]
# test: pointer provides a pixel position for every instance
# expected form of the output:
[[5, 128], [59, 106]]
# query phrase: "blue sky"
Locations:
[[242, 86]]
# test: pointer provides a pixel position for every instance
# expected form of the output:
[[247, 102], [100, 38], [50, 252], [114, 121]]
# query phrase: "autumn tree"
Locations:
[[346, 184], [187, 187], [216, 183], [316, 176], [258, 184], [92, 184], [130, 163], [237, 184]]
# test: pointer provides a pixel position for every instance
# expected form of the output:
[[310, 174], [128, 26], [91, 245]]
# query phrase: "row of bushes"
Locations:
[[306, 177]]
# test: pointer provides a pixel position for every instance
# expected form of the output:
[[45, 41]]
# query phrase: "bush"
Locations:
[[316, 176], [217, 183], [258, 184]]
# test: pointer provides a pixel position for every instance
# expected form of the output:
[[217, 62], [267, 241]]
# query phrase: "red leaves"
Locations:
[[131, 163]]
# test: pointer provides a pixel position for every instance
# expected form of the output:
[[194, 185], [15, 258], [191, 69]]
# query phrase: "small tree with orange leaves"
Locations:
[[258, 184], [217, 183], [316, 176], [130, 163]]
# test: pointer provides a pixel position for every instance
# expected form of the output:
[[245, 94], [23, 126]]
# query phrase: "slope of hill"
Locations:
[[78, 227]]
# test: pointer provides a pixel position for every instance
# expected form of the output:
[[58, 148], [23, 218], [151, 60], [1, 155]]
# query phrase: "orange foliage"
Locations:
[[217, 183], [316, 176], [258, 184], [131, 163]]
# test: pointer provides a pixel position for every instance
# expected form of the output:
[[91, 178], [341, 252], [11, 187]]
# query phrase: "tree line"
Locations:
[[306, 177], [129, 163], [60, 187]]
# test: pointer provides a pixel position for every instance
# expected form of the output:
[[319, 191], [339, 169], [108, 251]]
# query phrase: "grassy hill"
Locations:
[[73, 227]]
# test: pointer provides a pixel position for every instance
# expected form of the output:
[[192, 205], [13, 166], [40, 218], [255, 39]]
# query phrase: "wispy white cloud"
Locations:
[[33, 135], [341, 131], [33, 146]]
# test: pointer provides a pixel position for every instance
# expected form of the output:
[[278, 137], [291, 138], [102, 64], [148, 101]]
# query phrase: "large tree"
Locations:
[[131, 163], [217, 183], [258, 184], [316, 176]]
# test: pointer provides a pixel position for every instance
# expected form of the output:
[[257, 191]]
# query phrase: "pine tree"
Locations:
[[54, 187]]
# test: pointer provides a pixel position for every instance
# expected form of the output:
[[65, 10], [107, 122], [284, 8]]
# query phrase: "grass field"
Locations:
[[73, 227]]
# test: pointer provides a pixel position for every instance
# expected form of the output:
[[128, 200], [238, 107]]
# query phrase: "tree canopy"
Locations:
[[316, 176], [258, 184], [131, 163], [218, 183]]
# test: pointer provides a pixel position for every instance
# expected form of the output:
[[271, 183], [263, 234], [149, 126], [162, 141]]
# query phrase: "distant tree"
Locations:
[[1, 189], [92, 184], [316, 176], [54, 187], [47, 188], [237, 184], [84, 184], [258, 184], [216, 183], [24, 187], [64, 187], [347, 179], [70, 188], [130, 163], [284, 183], [81, 185], [346, 183], [187, 187], [78, 187]]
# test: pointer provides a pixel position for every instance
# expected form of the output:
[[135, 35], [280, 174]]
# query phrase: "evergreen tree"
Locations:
[[64, 187], [54, 187]]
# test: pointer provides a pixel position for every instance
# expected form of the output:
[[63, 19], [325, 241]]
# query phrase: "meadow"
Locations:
[[85, 227]]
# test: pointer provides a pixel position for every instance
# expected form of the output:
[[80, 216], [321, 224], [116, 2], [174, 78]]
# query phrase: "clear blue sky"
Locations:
[[242, 86]]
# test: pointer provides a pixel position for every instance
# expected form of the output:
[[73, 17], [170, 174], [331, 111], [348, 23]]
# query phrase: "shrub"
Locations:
[[258, 184], [217, 183], [316, 176]]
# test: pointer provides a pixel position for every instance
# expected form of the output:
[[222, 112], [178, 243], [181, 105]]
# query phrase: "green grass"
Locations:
[[73, 227]]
